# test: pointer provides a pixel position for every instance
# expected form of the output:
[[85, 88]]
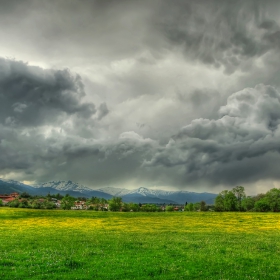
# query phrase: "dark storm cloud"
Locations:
[[215, 32], [31, 96], [96, 162], [248, 128], [37, 108], [220, 33]]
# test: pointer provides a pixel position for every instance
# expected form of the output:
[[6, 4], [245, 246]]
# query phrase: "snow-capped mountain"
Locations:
[[148, 195], [64, 186], [114, 191], [15, 183], [142, 191], [9, 186]]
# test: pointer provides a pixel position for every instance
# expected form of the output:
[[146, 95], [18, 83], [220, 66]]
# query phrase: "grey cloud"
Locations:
[[248, 128], [102, 29], [96, 161], [269, 24], [116, 162], [33, 96], [220, 33], [215, 32], [102, 111]]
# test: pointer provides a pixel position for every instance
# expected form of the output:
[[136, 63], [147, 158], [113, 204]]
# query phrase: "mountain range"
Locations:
[[139, 195]]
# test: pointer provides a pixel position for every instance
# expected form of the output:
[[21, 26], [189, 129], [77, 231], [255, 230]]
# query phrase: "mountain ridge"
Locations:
[[141, 194]]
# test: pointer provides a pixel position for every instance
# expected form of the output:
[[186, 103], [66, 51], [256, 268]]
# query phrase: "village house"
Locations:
[[8, 198], [79, 205], [57, 204]]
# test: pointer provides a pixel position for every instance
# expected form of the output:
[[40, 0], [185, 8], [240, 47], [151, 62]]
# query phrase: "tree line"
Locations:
[[227, 200], [237, 200], [66, 202]]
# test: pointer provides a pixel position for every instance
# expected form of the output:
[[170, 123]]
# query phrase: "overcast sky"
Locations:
[[137, 93]]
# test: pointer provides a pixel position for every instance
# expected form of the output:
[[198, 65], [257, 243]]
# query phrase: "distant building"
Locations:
[[8, 198], [79, 205]]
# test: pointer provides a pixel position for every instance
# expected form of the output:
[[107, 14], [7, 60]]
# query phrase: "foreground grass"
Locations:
[[41, 244]]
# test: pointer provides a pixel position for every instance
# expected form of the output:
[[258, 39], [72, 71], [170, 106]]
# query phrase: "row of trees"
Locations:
[[236, 200], [116, 204], [198, 206], [94, 203], [31, 203]]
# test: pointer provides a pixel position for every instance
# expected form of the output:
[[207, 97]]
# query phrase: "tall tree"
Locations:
[[248, 203], [67, 202], [273, 199], [25, 195], [240, 194], [203, 206], [220, 203], [230, 201], [262, 205], [115, 203], [103, 201], [95, 200], [189, 207]]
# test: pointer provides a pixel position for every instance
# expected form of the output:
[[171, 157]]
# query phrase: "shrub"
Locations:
[[169, 208]]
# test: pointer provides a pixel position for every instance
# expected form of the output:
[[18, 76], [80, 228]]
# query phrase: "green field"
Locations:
[[42, 244]]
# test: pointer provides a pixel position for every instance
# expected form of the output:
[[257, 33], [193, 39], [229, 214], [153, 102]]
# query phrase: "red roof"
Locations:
[[5, 196], [9, 199], [2, 196]]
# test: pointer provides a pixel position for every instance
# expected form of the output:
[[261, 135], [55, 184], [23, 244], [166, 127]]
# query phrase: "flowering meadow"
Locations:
[[48, 244]]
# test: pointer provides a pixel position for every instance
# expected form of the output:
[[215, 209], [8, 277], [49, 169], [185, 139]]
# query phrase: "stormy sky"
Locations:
[[134, 93]]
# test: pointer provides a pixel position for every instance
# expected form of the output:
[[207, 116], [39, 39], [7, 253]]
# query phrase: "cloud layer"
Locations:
[[181, 94]]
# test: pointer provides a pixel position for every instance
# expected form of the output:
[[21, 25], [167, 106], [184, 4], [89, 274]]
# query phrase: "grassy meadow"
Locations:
[[57, 244]]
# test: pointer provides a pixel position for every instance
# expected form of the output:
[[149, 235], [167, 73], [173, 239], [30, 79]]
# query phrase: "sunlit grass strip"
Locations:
[[141, 222]]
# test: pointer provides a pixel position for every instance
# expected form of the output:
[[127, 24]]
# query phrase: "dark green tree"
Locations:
[[248, 203], [230, 201], [169, 208], [95, 200], [258, 197], [220, 203], [203, 206], [115, 203], [240, 194], [36, 205], [58, 196], [125, 207], [189, 207], [102, 203], [273, 199], [262, 205], [15, 203], [67, 202], [82, 198], [134, 207], [196, 206], [49, 205], [23, 204], [25, 195]]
